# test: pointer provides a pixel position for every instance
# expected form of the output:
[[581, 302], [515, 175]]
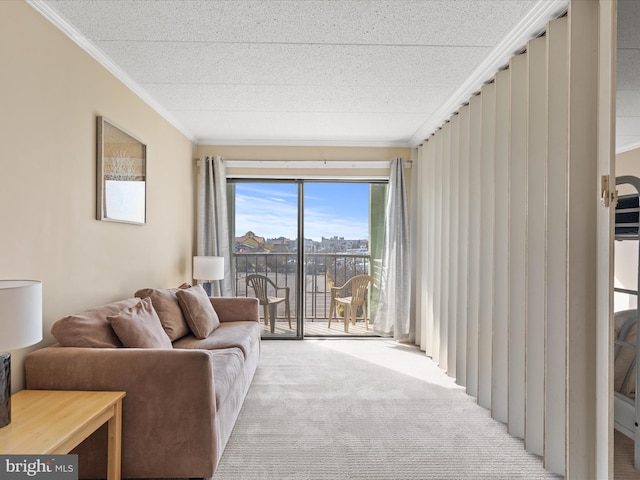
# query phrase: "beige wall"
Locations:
[[628, 163], [331, 154], [303, 153], [50, 94]]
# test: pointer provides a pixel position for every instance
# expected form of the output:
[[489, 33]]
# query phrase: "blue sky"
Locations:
[[269, 210]]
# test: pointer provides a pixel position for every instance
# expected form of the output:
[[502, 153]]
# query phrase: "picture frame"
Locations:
[[121, 175]]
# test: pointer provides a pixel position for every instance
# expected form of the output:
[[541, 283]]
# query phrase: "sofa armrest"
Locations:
[[233, 309], [170, 400]]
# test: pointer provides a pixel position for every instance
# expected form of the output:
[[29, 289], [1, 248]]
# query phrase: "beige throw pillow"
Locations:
[[198, 311], [139, 327], [166, 306]]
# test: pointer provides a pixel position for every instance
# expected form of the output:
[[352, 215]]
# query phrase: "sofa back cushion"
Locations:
[[198, 311], [165, 302], [91, 328], [139, 327]]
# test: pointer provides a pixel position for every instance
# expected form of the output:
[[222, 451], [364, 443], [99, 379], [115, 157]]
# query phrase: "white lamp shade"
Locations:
[[20, 313], [208, 268]]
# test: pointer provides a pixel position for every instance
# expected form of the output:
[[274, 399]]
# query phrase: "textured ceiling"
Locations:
[[342, 72]]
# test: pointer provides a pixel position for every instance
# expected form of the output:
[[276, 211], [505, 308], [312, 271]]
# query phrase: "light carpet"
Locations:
[[365, 409], [623, 468]]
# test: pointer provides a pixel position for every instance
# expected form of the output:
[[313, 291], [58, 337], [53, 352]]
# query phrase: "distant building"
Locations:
[[250, 239], [311, 245], [250, 242], [333, 244], [244, 248], [282, 245]]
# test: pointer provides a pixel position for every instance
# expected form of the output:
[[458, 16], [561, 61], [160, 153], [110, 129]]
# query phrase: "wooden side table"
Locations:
[[55, 422]]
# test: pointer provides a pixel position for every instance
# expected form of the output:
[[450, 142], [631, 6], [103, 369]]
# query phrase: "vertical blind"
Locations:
[[499, 185]]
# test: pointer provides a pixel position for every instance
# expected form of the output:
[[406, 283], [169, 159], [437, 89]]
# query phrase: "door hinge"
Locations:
[[607, 197]]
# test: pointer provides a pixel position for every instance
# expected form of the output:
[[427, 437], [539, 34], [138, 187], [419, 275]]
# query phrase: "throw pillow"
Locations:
[[139, 327], [198, 311], [166, 306], [91, 328]]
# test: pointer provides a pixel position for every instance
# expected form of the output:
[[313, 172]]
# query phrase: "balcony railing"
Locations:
[[321, 272]]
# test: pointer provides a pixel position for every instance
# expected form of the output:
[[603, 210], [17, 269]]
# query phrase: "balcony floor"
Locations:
[[318, 328]]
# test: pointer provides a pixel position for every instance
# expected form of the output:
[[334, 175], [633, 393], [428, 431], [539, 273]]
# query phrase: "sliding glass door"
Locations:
[[338, 240], [341, 227], [266, 224]]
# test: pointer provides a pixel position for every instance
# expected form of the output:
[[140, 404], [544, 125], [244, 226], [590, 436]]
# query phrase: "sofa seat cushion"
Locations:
[[91, 328], [243, 335], [227, 373]]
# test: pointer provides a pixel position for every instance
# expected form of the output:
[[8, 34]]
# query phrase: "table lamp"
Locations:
[[20, 326], [208, 269]]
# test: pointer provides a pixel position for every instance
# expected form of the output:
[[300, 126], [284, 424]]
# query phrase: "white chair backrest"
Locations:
[[359, 286]]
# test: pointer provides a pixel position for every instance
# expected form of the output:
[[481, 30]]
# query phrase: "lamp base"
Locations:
[[5, 389]]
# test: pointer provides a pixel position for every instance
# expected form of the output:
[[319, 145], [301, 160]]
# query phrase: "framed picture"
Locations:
[[122, 175]]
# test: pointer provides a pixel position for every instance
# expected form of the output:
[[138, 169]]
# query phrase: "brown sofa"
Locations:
[[183, 398]]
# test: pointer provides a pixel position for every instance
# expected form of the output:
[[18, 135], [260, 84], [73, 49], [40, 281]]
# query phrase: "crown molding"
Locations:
[[628, 147], [532, 25], [83, 42]]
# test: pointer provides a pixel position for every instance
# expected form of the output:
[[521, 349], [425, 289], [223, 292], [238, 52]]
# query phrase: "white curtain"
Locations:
[[212, 216], [392, 316]]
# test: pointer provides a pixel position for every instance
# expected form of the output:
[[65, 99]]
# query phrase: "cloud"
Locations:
[[271, 217], [319, 222], [264, 190], [265, 217]]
